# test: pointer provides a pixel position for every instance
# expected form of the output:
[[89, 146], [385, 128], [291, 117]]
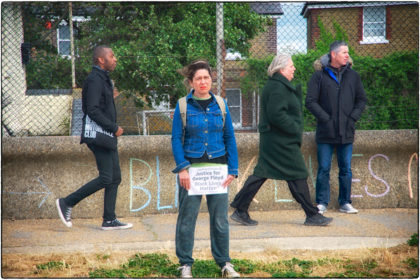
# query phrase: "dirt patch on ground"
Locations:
[[78, 265]]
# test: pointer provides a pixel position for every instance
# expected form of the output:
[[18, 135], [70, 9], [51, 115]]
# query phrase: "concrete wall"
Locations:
[[37, 170]]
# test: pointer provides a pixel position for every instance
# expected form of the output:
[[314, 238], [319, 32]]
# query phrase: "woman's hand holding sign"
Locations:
[[184, 179]]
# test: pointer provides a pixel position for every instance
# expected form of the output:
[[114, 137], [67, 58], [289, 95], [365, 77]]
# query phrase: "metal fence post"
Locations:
[[219, 46], [73, 67]]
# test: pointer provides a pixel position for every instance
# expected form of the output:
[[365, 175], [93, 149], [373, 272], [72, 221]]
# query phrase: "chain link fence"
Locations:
[[47, 50]]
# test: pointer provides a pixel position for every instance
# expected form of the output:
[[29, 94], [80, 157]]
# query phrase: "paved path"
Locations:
[[371, 228]]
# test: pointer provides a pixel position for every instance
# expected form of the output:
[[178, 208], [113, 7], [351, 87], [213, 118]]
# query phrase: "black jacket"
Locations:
[[98, 100], [337, 102]]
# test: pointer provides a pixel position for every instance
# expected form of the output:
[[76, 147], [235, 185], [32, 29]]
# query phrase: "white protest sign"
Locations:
[[207, 180]]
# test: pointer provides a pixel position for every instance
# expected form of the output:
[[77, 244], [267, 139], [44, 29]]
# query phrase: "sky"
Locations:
[[291, 29]]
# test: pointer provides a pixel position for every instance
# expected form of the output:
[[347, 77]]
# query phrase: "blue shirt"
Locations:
[[204, 133]]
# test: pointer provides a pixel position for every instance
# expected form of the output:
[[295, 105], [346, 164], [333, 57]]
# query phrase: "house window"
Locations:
[[63, 35], [234, 100], [374, 25], [63, 39]]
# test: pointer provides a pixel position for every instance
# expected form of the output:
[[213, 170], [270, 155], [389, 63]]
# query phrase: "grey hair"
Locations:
[[279, 62], [336, 45]]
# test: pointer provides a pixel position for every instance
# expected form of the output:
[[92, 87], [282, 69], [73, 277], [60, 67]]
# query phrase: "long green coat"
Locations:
[[281, 127]]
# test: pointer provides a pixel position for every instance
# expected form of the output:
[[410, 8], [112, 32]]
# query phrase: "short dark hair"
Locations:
[[189, 71], [98, 51], [336, 45]]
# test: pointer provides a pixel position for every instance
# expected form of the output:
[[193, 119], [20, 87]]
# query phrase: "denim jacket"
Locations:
[[204, 132]]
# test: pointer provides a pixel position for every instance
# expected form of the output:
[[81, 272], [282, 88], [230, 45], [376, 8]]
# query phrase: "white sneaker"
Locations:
[[185, 271], [322, 208], [229, 272], [348, 208]]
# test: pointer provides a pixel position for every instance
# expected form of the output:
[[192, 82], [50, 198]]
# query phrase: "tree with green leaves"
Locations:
[[154, 40]]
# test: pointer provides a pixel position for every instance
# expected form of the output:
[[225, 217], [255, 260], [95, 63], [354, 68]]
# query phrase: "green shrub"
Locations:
[[391, 84], [412, 263], [48, 72], [51, 265], [414, 240]]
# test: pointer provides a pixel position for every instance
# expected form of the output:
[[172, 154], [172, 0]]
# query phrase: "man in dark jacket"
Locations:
[[98, 105], [337, 99]]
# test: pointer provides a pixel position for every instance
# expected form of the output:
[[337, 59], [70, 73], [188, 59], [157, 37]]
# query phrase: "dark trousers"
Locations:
[[189, 206], [109, 178], [298, 188]]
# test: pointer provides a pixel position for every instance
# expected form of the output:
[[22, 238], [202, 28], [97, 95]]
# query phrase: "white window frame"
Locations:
[[59, 40], [374, 39], [236, 124], [63, 22]]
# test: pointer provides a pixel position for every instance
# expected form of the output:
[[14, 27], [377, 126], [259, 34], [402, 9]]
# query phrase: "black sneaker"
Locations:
[[243, 218], [115, 224], [317, 220], [64, 212]]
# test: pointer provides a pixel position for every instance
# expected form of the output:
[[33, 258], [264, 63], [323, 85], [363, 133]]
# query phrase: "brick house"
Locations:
[[373, 28]]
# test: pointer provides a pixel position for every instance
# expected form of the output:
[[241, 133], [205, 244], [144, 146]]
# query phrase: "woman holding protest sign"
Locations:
[[204, 148]]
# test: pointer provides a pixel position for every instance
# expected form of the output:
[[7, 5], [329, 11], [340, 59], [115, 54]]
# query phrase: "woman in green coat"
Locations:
[[280, 157]]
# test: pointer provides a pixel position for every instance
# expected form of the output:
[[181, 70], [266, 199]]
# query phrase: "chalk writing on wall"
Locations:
[[275, 195], [410, 190], [147, 183], [140, 186], [354, 180], [414, 157], [45, 193], [377, 177]]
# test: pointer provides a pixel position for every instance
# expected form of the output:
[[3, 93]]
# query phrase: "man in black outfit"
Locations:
[[98, 104]]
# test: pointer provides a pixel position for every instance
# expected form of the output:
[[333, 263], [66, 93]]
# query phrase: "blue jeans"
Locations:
[[344, 154]]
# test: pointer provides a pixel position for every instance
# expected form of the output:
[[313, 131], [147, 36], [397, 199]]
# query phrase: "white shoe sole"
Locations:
[[349, 212], [67, 224], [117, 228]]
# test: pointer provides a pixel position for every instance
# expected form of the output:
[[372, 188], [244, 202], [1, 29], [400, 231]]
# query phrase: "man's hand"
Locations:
[[116, 92], [119, 132]]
